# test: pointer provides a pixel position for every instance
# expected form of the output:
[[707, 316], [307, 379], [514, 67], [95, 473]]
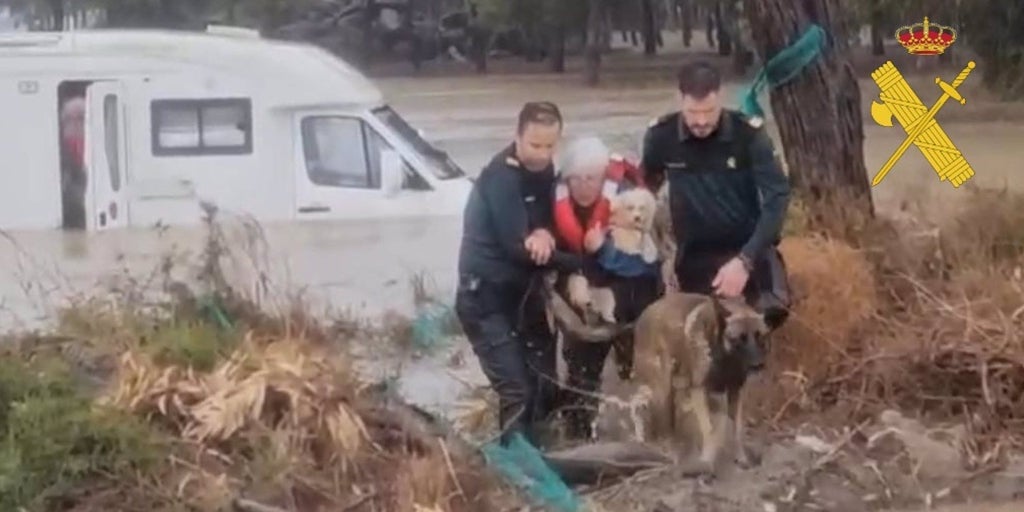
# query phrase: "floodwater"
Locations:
[[367, 267]]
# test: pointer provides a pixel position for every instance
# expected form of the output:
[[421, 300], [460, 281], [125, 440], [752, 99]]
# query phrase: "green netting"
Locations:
[[783, 67], [212, 306], [430, 326], [523, 465]]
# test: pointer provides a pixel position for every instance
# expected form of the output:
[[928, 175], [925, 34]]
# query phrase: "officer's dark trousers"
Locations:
[[507, 326], [767, 288], [585, 361]]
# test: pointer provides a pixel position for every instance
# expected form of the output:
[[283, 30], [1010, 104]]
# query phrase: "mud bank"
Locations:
[[892, 464]]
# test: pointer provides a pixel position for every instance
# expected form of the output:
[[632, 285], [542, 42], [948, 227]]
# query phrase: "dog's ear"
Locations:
[[650, 212], [615, 203], [721, 312], [721, 315]]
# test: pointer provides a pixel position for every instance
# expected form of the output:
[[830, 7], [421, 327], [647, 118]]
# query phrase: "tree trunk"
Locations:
[[369, 17], [595, 42], [877, 40], [722, 30], [480, 38], [709, 31], [57, 10], [686, 20], [818, 113], [558, 49], [740, 52], [606, 28], [649, 26], [416, 47], [877, 18]]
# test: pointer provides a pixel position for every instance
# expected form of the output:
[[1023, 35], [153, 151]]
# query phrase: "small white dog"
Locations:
[[631, 227]]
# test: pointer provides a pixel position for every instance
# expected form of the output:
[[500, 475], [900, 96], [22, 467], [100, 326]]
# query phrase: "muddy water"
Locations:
[[473, 117], [361, 267]]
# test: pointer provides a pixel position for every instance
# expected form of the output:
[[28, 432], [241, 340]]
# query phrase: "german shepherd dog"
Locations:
[[692, 350]]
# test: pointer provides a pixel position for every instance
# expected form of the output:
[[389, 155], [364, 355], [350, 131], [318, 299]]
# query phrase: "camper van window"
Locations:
[[202, 127], [111, 139], [377, 143], [335, 151], [441, 164], [345, 152]]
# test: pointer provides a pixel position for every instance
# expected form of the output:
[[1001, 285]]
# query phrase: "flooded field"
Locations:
[[366, 268]]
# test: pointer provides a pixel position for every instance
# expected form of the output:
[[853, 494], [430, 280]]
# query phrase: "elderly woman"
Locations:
[[581, 216]]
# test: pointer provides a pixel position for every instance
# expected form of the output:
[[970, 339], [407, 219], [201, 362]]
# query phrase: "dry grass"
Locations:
[[921, 316], [924, 316], [203, 399], [835, 296], [290, 407]]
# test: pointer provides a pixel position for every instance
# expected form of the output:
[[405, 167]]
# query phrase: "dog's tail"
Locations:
[[570, 323]]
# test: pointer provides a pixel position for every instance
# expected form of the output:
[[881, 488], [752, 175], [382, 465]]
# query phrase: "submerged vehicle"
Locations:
[[277, 130]]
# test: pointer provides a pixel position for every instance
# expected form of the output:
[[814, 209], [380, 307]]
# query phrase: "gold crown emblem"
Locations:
[[926, 38]]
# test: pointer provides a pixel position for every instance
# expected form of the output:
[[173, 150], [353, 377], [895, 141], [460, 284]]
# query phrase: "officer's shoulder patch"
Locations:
[[662, 119], [511, 161], [755, 121]]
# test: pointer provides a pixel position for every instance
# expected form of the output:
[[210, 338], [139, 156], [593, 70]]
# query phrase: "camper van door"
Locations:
[[106, 157]]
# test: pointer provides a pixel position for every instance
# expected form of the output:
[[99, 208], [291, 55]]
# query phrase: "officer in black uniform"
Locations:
[[727, 195], [507, 242]]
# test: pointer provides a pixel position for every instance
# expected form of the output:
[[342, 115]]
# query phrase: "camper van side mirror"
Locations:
[[391, 173]]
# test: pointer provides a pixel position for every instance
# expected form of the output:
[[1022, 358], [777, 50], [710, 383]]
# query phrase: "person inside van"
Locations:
[[507, 247], [73, 173]]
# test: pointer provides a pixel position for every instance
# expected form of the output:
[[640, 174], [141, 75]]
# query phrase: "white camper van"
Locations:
[[276, 130]]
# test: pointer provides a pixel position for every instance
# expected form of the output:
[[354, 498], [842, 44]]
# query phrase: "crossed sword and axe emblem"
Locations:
[[901, 102]]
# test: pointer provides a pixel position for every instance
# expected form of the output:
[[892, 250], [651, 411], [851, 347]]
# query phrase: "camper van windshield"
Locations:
[[443, 166]]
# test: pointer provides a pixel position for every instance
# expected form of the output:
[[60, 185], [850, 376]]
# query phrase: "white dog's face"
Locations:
[[634, 209]]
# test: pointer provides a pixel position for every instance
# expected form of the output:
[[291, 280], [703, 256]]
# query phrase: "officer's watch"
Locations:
[[747, 264]]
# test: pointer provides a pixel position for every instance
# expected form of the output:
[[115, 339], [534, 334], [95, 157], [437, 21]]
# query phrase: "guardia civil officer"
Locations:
[[727, 195], [507, 242]]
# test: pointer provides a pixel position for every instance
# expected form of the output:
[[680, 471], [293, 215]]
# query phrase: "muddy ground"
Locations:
[[804, 467]]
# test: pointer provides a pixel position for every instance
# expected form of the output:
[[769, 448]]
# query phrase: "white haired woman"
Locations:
[[582, 212]]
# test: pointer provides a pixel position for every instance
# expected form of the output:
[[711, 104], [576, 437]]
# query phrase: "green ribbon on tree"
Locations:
[[783, 67]]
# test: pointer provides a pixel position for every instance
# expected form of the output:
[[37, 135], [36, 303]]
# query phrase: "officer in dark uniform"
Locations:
[[507, 242], [727, 195]]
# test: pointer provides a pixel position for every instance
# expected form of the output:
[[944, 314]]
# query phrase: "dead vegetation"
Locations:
[[203, 402], [921, 316]]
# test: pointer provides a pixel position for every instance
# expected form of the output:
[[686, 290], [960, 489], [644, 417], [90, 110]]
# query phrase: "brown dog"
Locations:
[[692, 350]]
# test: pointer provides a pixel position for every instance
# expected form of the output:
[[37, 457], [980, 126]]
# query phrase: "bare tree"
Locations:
[[686, 13], [596, 37], [819, 112], [57, 12], [650, 27]]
